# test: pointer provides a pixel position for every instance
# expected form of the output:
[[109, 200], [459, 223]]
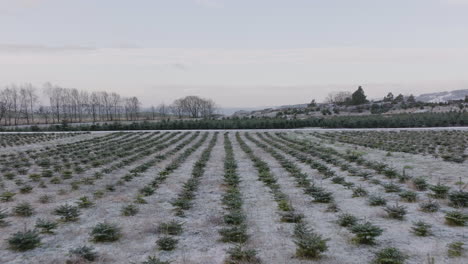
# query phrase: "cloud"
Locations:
[[183, 59], [20, 48]]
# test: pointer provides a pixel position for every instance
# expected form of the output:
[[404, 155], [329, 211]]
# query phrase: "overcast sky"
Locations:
[[237, 52]]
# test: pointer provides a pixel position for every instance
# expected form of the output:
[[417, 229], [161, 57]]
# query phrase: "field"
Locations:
[[294, 196]]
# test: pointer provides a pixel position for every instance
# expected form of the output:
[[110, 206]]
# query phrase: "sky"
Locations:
[[240, 53]]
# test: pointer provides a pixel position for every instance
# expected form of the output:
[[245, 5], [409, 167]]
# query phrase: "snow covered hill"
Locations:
[[443, 96]]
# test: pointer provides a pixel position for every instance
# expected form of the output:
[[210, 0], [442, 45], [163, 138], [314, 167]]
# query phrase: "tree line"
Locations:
[[359, 97], [444, 119], [20, 104], [26, 104]]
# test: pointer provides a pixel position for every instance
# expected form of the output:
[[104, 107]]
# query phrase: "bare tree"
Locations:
[[194, 107], [163, 110], [135, 107], [45, 112], [3, 105], [23, 103], [177, 108], [66, 102], [32, 99], [55, 99], [94, 105], [115, 104], [13, 97], [337, 97], [106, 104], [83, 106], [7, 105], [75, 103], [132, 108], [153, 112], [208, 108]]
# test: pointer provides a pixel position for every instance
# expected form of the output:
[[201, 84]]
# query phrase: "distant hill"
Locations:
[[442, 96], [253, 109], [322, 109], [292, 106], [232, 110]]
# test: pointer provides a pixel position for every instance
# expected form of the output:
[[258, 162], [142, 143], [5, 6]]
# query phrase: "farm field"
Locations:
[[235, 197]]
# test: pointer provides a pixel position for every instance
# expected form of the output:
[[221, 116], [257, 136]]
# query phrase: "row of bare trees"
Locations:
[[78, 105], [25, 104], [17, 103], [21, 105]]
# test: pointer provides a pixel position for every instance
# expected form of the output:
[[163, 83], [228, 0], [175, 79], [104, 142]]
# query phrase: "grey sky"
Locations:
[[240, 53]]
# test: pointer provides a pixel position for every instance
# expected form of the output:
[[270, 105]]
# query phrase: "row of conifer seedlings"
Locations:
[[458, 198], [365, 232], [234, 218], [80, 151], [102, 232], [35, 154], [130, 153], [45, 163], [142, 168], [171, 228], [449, 145], [128, 177], [143, 150], [30, 238], [309, 244], [397, 211], [10, 140], [125, 153], [21, 160], [184, 201], [149, 189]]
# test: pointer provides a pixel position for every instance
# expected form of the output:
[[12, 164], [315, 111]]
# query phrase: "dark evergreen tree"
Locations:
[[312, 104], [399, 99], [388, 98], [358, 97], [375, 109]]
